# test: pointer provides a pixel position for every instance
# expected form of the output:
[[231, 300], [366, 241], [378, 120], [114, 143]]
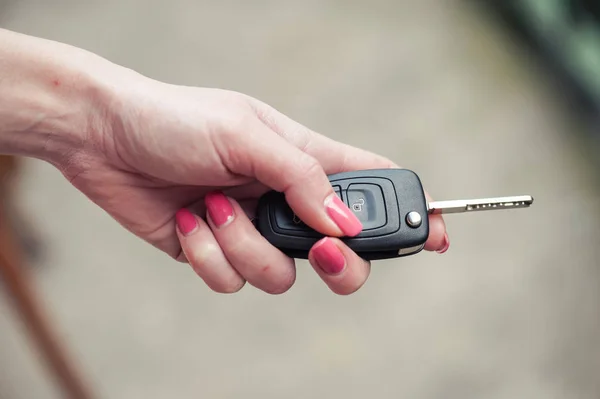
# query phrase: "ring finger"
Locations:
[[204, 255], [261, 264]]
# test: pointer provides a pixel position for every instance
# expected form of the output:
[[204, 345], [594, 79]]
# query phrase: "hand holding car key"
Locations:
[[391, 205]]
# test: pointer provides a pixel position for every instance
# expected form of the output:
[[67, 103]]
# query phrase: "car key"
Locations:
[[391, 205]]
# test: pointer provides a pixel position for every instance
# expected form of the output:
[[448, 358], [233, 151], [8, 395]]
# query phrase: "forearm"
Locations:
[[54, 98]]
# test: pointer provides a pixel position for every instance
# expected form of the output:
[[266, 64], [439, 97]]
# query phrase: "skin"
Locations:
[[143, 149]]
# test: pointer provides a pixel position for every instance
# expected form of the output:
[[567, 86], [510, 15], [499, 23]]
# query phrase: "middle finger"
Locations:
[[260, 263]]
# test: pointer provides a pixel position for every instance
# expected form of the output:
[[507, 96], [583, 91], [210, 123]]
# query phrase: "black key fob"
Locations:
[[390, 203]]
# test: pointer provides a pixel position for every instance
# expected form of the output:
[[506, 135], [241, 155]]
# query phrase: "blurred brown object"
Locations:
[[21, 290], [25, 234], [8, 165]]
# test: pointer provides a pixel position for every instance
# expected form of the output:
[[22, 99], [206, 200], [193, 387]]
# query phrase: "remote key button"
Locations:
[[368, 204], [286, 219]]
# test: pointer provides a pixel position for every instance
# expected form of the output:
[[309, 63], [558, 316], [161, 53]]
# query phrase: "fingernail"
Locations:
[[341, 215], [186, 221], [445, 245], [219, 208], [329, 257]]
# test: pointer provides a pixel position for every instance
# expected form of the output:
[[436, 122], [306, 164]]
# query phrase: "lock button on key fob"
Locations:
[[382, 200], [367, 201]]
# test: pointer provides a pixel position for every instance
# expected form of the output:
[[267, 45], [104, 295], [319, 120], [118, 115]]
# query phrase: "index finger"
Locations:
[[336, 157]]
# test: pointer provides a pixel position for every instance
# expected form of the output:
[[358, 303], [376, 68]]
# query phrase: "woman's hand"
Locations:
[[183, 167], [199, 159]]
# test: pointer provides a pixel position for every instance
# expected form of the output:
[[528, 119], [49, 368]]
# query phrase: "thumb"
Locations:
[[278, 164]]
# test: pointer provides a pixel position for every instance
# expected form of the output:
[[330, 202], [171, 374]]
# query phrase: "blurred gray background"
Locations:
[[512, 310]]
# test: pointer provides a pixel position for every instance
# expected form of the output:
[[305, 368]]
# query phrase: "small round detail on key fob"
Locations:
[[414, 219]]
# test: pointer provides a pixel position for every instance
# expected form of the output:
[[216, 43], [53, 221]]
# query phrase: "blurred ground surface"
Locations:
[[511, 311]]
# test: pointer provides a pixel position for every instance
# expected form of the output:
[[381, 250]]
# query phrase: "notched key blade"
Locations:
[[481, 204]]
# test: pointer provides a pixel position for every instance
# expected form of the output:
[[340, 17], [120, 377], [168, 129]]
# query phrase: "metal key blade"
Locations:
[[482, 204]]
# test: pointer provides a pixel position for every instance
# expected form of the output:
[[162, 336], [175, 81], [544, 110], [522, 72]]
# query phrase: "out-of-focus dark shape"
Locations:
[[22, 293], [584, 9], [26, 235], [566, 36]]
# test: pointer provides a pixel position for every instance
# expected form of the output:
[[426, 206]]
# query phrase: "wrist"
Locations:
[[56, 99]]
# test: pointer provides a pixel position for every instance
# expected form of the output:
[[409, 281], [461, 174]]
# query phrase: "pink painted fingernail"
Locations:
[[329, 257], [219, 208], [341, 215], [445, 245], [186, 221]]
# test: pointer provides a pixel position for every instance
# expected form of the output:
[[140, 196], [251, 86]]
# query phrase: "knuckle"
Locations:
[[267, 115], [228, 287], [201, 255], [231, 142], [229, 100], [273, 279], [346, 288], [258, 265], [310, 168], [203, 258], [282, 284], [344, 291], [279, 288], [240, 122], [237, 249], [295, 133], [236, 120]]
